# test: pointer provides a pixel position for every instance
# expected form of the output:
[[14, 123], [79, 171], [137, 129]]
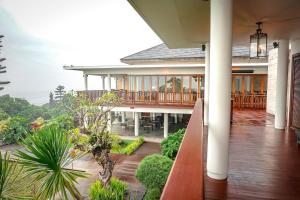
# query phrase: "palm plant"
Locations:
[[12, 185], [46, 158]]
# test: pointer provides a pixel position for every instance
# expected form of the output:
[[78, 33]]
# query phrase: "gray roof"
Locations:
[[163, 52]]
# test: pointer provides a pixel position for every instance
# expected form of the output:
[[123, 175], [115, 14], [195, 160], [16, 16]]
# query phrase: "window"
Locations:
[[162, 83]]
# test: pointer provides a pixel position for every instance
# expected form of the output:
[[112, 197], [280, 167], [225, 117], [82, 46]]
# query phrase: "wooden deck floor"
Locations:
[[264, 164]]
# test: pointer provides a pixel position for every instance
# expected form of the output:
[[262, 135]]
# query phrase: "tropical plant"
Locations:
[[170, 145], [115, 191], [2, 68], [64, 122], [153, 171], [13, 129], [12, 184], [46, 158], [152, 194], [79, 140], [37, 124]]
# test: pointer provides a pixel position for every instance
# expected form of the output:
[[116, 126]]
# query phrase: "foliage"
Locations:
[[21, 107], [115, 191], [46, 157], [64, 122], [153, 171], [3, 115], [171, 144], [2, 68], [12, 184], [38, 124], [13, 129], [129, 149], [152, 194], [79, 140]]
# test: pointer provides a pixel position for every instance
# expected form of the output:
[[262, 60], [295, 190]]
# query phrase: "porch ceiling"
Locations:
[[185, 23]]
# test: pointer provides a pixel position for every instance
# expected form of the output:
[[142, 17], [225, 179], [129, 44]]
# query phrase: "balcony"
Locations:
[[188, 99]]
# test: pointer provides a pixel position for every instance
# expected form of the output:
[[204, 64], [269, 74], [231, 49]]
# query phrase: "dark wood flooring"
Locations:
[[264, 164]]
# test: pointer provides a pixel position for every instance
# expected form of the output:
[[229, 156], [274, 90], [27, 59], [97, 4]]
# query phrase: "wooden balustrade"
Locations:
[[256, 101], [240, 101], [186, 179]]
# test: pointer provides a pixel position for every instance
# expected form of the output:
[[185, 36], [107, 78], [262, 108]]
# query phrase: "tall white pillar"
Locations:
[[123, 117], [166, 125], [175, 118], [103, 82], [219, 88], [295, 46], [85, 81], [153, 116], [281, 84], [108, 82], [136, 124], [206, 83]]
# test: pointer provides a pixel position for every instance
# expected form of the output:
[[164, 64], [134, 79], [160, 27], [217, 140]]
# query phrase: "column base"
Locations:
[[216, 176], [280, 127]]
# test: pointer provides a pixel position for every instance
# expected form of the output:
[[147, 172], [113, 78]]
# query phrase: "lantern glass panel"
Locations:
[[262, 46], [253, 46]]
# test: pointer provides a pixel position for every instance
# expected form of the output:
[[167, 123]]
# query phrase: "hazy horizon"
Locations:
[[43, 36]]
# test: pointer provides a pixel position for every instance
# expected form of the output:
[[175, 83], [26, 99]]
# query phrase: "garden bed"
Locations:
[[127, 146]]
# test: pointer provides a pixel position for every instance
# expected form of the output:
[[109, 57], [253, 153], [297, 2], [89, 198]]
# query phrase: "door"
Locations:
[[295, 94]]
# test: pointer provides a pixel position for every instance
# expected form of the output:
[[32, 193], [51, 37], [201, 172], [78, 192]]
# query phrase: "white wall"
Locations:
[[272, 76]]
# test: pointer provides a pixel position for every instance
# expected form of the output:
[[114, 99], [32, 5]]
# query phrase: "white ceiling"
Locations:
[[185, 23]]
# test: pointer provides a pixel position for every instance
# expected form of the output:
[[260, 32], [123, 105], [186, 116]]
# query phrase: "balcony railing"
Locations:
[[255, 101], [154, 97], [186, 179]]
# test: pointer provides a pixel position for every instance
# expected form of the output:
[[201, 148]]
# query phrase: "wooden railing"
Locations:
[[154, 97], [255, 101], [186, 179]]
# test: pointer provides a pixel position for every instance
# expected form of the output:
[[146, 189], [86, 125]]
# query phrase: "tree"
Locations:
[[59, 92], [51, 99], [94, 117], [2, 68]]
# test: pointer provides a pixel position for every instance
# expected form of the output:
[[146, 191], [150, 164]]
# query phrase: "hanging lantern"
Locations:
[[258, 43]]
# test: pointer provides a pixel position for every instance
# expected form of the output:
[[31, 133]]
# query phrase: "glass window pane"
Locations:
[[147, 83], [185, 83], [170, 84], [178, 83], [139, 83], [131, 80], [194, 84], [154, 83], [162, 83]]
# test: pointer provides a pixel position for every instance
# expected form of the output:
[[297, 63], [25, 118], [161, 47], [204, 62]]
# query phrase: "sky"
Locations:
[[41, 36]]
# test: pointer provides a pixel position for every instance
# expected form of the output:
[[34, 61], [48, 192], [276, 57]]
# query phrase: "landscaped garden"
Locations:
[[51, 138]]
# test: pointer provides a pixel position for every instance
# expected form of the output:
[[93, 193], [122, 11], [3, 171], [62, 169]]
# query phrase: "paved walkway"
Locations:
[[124, 169]]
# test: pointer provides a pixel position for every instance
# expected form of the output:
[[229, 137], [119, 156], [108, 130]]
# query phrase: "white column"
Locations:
[[153, 116], [123, 117], [175, 118], [116, 81], [136, 124], [166, 125], [103, 82], [108, 82], [281, 84], [295, 46], [219, 88], [85, 81], [206, 84]]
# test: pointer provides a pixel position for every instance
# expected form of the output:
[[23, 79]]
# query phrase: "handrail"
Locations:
[[186, 179]]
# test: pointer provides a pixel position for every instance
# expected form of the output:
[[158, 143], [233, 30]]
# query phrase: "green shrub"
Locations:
[[152, 194], [65, 122], [153, 171], [13, 129], [129, 149], [170, 145], [115, 191], [79, 140], [3, 115]]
